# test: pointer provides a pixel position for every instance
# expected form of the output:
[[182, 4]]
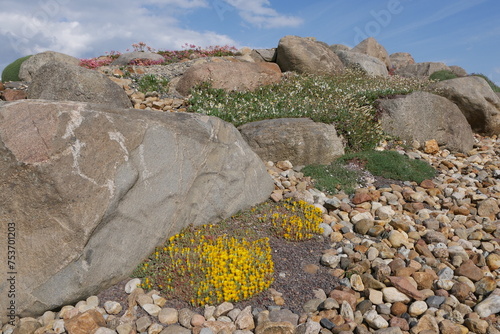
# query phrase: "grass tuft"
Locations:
[[152, 83], [443, 75], [388, 164]]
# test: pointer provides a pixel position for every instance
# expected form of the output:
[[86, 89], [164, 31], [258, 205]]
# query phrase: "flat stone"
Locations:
[[392, 295], [469, 270], [168, 316], [403, 284], [489, 306]]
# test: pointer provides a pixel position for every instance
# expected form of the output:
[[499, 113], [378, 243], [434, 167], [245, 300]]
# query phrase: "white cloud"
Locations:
[[88, 29], [260, 14]]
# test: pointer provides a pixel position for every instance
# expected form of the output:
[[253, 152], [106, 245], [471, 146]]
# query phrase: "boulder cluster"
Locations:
[[99, 173]]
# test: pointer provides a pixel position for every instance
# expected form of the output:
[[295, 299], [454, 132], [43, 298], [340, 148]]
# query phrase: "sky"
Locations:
[[457, 32]]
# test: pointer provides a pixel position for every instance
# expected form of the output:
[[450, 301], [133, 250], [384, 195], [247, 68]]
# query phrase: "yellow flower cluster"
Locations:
[[204, 269], [296, 220]]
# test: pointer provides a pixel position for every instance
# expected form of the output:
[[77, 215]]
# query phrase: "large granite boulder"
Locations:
[[65, 82], [230, 76], [306, 55], [401, 59], [476, 100], [299, 140], [32, 65], [421, 69], [90, 191], [126, 58], [370, 65], [424, 116], [371, 47]]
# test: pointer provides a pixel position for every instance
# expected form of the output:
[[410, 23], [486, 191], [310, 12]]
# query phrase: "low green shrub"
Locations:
[[11, 71], [388, 164], [152, 83], [392, 165], [332, 178], [443, 75], [491, 83]]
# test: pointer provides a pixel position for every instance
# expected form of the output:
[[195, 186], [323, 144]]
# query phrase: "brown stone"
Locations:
[[2, 87], [85, 322], [398, 308], [422, 249], [426, 323], [403, 284], [448, 327], [427, 184], [14, 94], [469, 270], [424, 280], [431, 147], [341, 296], [361, 197]]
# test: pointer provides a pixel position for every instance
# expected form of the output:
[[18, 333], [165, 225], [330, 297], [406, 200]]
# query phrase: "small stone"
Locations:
[[197, 320], [476, 325], [364, 306], [392, 295], [185, 316], [448, 327], [104, 330], [488, 208], [374, 320], [363, 226], [489, 306], [244, 320], [435, 301], [309, 327], [404, 285], [341, 296], [284, 165], [398, 308], [152, 309], [486, 285], [168, 316], [385, 212], [132, 285], [175, 329], [346, 311], [431, 147], [493, 261], [330, 260], [326, 323], [312, 305], [310, 269], [397, 239], [155, 329], [85, 322], [223, 309], [469, 270], [375, 296], [284, 315], [143, 323], [460, 290], [357, 283], [417, 308], [399, 323], [426, 323], [424, 280], [112, 307]]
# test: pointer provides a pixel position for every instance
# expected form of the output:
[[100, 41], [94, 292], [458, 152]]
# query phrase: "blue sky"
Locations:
[[458, 32]]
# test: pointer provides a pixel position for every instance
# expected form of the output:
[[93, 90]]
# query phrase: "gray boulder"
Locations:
[[306, 55], [401, 59], [371, 47], [458, 71], [268, 55], [32, 65], [126, 58], [230, 76], [299, 140], [424, 116], [367, 64], [339, 47], [421, 69], [91, 191], [476, 100], [64, 82]]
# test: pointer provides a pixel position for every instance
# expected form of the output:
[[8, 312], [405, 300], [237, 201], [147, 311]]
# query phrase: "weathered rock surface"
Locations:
[[92, 190], [401, 59], [458, 71], [421, 69], [126, 58], [371, 47], [65, 82], [424, 116], [476, 100], [368, 64], [268, 55], [32, 65], [299, 140], [230, 76], [305, 55]]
